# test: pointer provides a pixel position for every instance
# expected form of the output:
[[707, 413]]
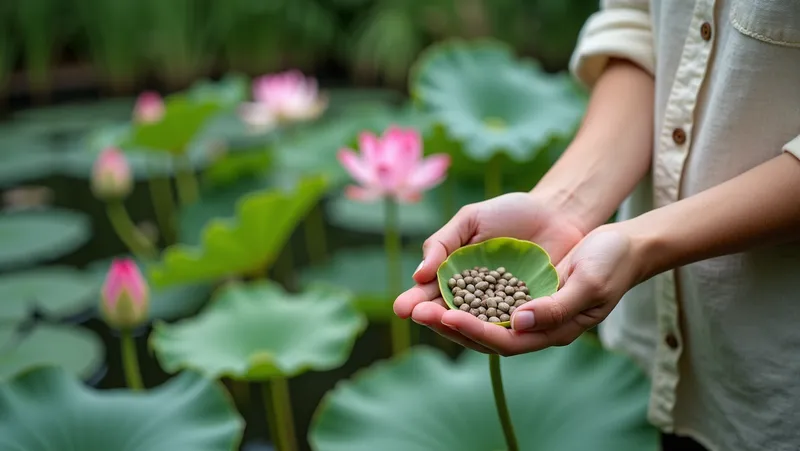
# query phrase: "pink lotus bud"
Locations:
[[290, 96], [149, 108], [125, 296], [392, 165], [111, 175]]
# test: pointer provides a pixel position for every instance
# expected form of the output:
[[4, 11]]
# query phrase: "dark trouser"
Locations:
[[671, 442]]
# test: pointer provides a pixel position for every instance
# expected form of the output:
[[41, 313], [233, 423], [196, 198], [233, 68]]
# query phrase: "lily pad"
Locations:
[[46, 409], [78, 351], [29, 161], [576, 397], [227, 92], [527, 261], [364, 272], [71, 120], [258, 331], [56, 293], [166, 303], [246, 244], [491, 102], [33, 236]]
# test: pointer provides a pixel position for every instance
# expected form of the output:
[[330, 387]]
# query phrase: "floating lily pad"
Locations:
[[56, 293], [24, 161], [227, 92], [491, 102], [34, 236], [166, 303], [46, 410], [70, 120], [246, 244], [258, 331], [78, 351], [576, 397], [363, 272], [527, 261]]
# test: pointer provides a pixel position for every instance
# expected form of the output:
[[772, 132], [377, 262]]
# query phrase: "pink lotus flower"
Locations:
[[149, 108], [125, 296], [392, 165], [111, 175], [283, 97]]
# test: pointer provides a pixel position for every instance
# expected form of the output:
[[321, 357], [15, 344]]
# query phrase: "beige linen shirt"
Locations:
[[720, 338]]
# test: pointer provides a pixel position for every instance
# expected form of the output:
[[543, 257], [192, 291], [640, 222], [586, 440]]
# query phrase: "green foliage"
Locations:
[[182, 121], [258, 331], [247, 244], [36, 236], [39, 24], [527, 261], [572, 398], [76, 351], [55, 293], [48, 410]]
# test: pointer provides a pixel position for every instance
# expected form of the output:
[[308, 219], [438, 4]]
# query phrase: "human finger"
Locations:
[[456, 233]]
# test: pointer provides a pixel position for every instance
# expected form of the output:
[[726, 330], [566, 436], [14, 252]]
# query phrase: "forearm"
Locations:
[[759, 207], [611, 152]]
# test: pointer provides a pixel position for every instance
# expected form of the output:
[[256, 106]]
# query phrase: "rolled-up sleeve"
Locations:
[[793, 147], [621, 29]]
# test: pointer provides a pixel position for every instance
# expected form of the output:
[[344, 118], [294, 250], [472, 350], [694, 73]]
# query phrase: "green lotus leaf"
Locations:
[[491, 102], [59, 122], [166, 303], [25, 161], [78, 351], [46, 409], [363, 272], [181, 124], [56, 293], [245, 244], [576, 397], [258, 331], [525, 260], [227, 92], [37, 235]]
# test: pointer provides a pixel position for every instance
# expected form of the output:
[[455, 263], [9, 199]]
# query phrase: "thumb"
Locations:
[[549, 312], [456, 233]]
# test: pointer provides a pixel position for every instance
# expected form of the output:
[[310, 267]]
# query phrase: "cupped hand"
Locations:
[[595, 275], [516, 215]]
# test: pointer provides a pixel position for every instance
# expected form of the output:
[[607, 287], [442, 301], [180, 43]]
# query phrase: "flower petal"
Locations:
[[370, 147], [356, 167], [431, 172]]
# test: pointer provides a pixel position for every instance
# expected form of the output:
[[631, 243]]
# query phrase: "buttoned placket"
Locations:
[[672, 148]]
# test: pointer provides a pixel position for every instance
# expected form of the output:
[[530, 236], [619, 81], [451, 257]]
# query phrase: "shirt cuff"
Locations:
[[793, 147], [613, 33]]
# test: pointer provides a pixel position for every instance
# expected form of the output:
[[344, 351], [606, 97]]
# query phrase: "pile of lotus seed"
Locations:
[[488, 295]]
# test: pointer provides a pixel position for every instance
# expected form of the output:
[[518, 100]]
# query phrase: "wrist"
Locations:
[[649, 252]]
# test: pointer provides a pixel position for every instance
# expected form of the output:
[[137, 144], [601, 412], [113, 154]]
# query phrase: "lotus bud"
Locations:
[[111, 175], [125, 296], [149, 108]]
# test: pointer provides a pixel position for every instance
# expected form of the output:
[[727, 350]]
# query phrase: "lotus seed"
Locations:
[[457, 301], [482, 285], [505, 317], [524, 290], [507, 276], [458, 276], [494, 319], [508, 290], [491, 303], [475, 304], [464, 307], [519, 295], [474, 312], [482, 309], [479, 293], [471, 288], [461, 284], [501, 270], [469, 297], [468, 280], [519, 303], [511, 309], [451, 283], [491, 311], [490, 279], [503, 306], [483, 318]]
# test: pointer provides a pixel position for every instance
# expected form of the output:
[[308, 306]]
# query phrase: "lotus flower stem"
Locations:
[[500, 402], [494, 177], [133, 238], [188, 188], [164, 206], [279, 408], [130, 362], [401, 332], [316, 241]]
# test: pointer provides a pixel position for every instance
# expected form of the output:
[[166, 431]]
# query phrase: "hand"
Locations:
[[595, 275], [517, 215]]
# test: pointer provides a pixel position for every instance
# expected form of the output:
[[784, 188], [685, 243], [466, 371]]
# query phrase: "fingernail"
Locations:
[[522, 320], [419, 267], [449, 325]]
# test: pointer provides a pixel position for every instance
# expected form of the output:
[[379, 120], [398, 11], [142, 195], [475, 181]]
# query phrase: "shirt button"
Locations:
[[679, 136], [671, 341], [705, 31]]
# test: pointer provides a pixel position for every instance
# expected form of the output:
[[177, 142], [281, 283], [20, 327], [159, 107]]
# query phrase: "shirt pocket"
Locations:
[[773, 21]]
